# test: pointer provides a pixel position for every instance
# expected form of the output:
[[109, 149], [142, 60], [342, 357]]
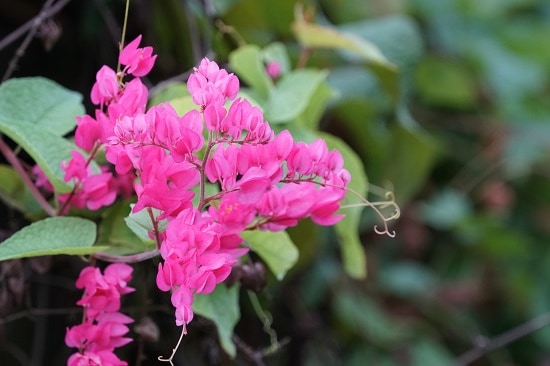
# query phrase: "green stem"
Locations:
[[123, 36], [202, 193], [134, 258]]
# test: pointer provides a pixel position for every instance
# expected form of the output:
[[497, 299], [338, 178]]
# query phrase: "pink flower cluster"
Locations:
[[265, 181], [103, 327]]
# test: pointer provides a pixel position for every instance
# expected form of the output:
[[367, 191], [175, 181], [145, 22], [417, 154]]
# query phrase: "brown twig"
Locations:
[[48, 10], [16, 164], [503, 339], [19, 32]]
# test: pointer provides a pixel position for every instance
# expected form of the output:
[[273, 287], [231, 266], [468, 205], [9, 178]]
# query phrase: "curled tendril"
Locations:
[[377, 207], [175, 349]]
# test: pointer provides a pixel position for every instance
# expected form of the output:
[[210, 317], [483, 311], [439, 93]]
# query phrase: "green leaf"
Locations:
[[409, 161], [277, 52], [294, 94], [183, 104], [365, 318], [275, 248], [353, 254], [318, 36], [46, 148], [115, 233], [446, 84], [177, 95], [40, 102], [428, 352], [169, 92], [397, 37], [222, 307], [247, 62], [15, 193], [54, 235]]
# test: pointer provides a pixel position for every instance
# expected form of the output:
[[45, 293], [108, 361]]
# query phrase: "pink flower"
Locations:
[[182, 299], [101, 358], [132, 101], [103, 328], [98, 191], [169, 275], [106, 86], [233, 214], [76, 168], [209, 84], [87, 133], [138, 61], [253, 184]]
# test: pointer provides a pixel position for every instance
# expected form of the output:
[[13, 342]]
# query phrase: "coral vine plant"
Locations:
[[208, 182], [265, 181]]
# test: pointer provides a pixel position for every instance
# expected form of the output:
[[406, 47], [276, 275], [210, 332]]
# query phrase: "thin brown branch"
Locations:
[[16, 164], [19, 32], [503, 339], [48, 10]]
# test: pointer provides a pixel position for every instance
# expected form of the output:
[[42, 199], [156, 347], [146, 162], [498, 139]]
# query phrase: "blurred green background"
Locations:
[[462, 138]]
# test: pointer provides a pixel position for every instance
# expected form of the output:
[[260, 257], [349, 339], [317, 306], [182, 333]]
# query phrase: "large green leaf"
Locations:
[[247, 62], [54, 235], [222, 307], [318, 36], [397, 37], [116, 233], [428, 352], [294, 94], [177, 95], [412, 156], [365, 318], [46, 148], [275, 248], [276, 52], [41, 102], [446, 84]]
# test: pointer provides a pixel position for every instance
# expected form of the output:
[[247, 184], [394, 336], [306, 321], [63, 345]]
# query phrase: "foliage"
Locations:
[[444, 103]]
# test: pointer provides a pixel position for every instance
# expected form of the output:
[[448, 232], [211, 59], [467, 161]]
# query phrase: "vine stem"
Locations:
[[175, 349], [62, 209], [16, 164], [134, 258], [265, 318], [123, 36], [155, 226]]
